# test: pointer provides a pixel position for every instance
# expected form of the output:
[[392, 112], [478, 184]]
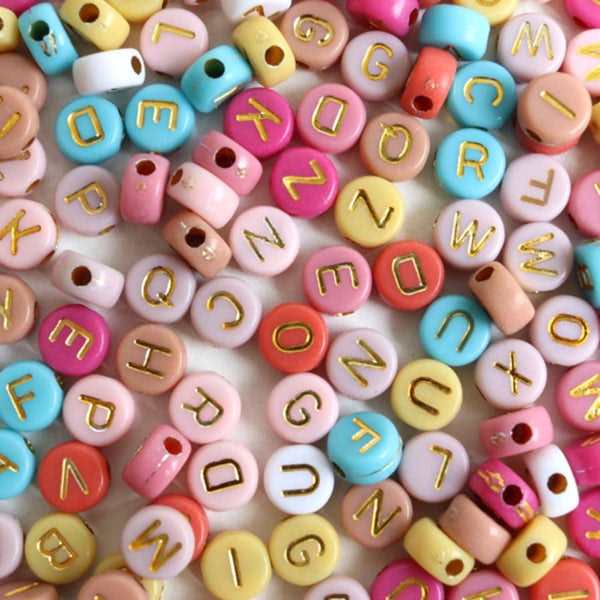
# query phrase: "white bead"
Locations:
[[298, 479], [237, 10]]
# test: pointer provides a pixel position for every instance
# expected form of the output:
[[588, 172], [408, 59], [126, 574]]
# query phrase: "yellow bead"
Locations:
[[304, 549], [235, 566], [96, 21], [438, 554], [426, 394], [60, 548], [495, 11], [136, 11], [595, 122], [265, 48], [9, 30], [369, 211], [533, 552]]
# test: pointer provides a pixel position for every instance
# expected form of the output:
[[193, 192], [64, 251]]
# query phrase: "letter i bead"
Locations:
[[18, 309], [11, 554]]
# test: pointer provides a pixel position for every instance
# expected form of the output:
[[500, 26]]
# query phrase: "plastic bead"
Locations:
[[586, 270], [496, 13], [151, 359], [18, 309], [17, 464], [583, 206], [112, 584], [41, 590], [238, 10], [157, 461], [9, 32], [582, 456], [20, 122], [530, 144], [73, 477], [583, 12], [583, 523], [337, 585], [595, 118], [12, 534], [570, 576], [580, 60], [20, 175], [396, 17], [136, 12], [89, 130], [19, 71], [400, 575], [364, 448], [576, 397]]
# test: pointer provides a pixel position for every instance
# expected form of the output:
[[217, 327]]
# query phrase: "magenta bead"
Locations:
[[577, 393], [405, 575], [584, 204], [394, 16], [19, 6], [21, 175]]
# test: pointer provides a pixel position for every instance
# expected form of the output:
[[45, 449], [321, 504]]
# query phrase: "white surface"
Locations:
[[244, 367]]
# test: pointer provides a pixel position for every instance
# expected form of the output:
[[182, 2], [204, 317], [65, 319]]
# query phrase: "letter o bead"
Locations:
[[17, 464], [18, 309], [403, 574]]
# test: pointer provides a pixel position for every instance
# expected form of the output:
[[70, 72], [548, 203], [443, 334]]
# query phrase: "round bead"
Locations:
[[496, 13], [17, 464], [567, 575], [583, 458], [135, 12], [397, 16], [18, 309], [583, 206], [583, 523], [576, 397], [580, 60], [402, 575], [22, 73], [12, 536], [9, 32], [22, 174], [337, 585], [583, 13], [531, 144], [29, 590], [112, 585], [20, 120]]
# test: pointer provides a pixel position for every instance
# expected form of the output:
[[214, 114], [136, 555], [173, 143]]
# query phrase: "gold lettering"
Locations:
[[423, 589], [334, 128], [308, 34], [150, 349], [555, 103], [468, 332], [379, 222], [16, 234], [592, 50], [476, 164], [69, 467], [467, 90], [335, 271], [162, 554], [92, 117], [219, 99], [10, 123], [594, 514], [512, 373], [378, 525], [157, 106], [590, 441], [303, 558], [484, 595], [383, 68], [7, 465], [250, 236], [584, 329], [76, 331], [160, 298], [207, 402], [437, 385], [54, 546], [238, 476], [544, 185], [586, 388], [21, 589], [493, 480], [287, 410], [263, 114], [234, 567], [446, 460], [364, 429], [94, 405], [470, 234], [235, 303], [293, 326], [81, 197], [290, 181], [414, 261], [161, 28], [584, 278], [375, 361], [539, 254], [17, 401], [314, 475], [533, 45], [573, 595], [391, 132]]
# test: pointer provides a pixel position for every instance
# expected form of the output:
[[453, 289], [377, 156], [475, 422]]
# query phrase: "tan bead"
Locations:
[[28, 590]]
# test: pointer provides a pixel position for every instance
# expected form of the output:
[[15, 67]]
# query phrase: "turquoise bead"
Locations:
[[46, 38], [159, 118], [17, 464], [215, 77], [89, 130], [455, 330], [469, 163], [364, 448], [31, 397], [483, 94], [587, 270]]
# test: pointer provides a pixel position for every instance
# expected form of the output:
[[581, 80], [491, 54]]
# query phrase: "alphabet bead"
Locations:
[[41, 591], [569, 576], [583, 522], [586, 270], [576, 398], [18, 309], [239, 10], [21, 72], [20, 122], [583, 13], [337, 585], [17, 464], [401, 575], [582, 206], [12, 533], [580, 60], [582, 456], [21, 174], [397, 16], [135, 12], [496, 14]]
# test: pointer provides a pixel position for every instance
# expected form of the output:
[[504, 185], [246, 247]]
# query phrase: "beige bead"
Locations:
[[9, 30]]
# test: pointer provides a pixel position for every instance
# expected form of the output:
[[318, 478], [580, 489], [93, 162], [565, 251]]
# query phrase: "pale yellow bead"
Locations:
[[235, 565], [438, 554], [533, 552], [369, 211], [495, 11], [9, 30], [60, 548], [265, 48], [595, 122], [304, 549], [137, 11], [426, 394]]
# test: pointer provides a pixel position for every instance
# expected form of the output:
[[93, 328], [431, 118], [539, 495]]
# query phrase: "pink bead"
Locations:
[[143, 188], [261, 120], [480, 583], [203, 193], [87, 279], [584, 204], [229, 161], [86, 200], [337, 586], [19, 6], [405, 580], [516, 432], [223, 475], [20, 175], [583, 456], [584, 12], [74, 340], [98, 410], [583, 523], [304, 182], [577, 395], [172, 39], [581, 59], [337, 280], [28, 234], [330, 118], [205, 407], [156, 462], [11, 552], [302, 408], [394, 16]]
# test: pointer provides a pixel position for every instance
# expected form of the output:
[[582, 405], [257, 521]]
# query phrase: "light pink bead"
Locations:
[[584, 204], [565, 330], [157, 461], [516, 432], [583, 456], [143, 188], [535, 187], [229, 161], [264, 241], [86, 200], [223, 475], [98, 410], [576, 396], [337, 586], [478, 583], [434, 466], [584, 12], [11, 551], [28, 234], [583, 521], [395, 16], [581, 59], [205, 407], [172, 39], [302, 408], [203, 193], [375, 65], [330, 118], [19, 176], [87, 279]]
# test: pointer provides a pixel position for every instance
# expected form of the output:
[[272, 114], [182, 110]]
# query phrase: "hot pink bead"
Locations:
[[480, 583], [98, 410], [205, 407], [337, 586], [143, 188], [157, 461], [28, 234], [229, 161], [337, 280], [577, 398], [504, 493], [11, 552], [581, 59], [583, 12], [74, 340], [261, 120], [19, 6], [394, 16], [86, 200], [584, 204], [22, 174], [583, 456], [583, 523], [197, 189], [223, 475], [405, 580], [330, 118], [516, 432]]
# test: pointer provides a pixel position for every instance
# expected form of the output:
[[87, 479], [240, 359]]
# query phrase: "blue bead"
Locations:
[[89, 130], [462, 31], [455, 330], [159, 118], [364, 448], [469, 163], [215, 77], [483, 94], [17, 464], [47, 39], [587, 269]]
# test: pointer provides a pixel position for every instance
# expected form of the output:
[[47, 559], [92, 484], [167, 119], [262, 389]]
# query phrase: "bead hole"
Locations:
[[512, 495], [521, 433], [176, 178], [422, 103], [274, 56], [225, 158], [136, 65], [339, 470], [484, 274], [145, 167], [195, 237], [39, 30], [173, 446], [1, 23], [32, 186], [534, 136], [88, 13], [557, 483], [214, 68], [536, 553], [81, 276], [414, 15], [454, 567]]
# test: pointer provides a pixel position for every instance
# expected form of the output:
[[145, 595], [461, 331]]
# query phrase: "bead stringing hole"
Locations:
[[195, 237], [422, 103], [274, 56], [536, 552], [88, 13], [39, 30], [339, 470], [521, 433], [173, 445], [136, 64], [225, 157], [512, 495], [454, 567], [176, 178], [414, 15], [145, 167], [81, 276], [484, 274], [214, 68], [533, 135], [1, 24], [557, 483]]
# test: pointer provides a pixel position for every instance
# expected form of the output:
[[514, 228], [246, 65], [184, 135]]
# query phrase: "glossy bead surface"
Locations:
[[112, 584], [583, 206], [584, 13], [400, 576], [241, 9], [17, 464], [337, 585], [29, 590], [397, 16], [583, 523], [18, 309], [12, 535], [580, 60], [21, 174], [496, 14], [9, 33], [582, 456], [568, 575], [21, 72], [586, 270], [20, 121], [575, 396]]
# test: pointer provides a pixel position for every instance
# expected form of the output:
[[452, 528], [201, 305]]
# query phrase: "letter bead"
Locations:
[[586, 270], [12, 549], [583, 13], [21, 174], [28, 590], [583, 206], [136, 12], [18, 309], [112, 584], [17, 464], [569, 577], [576, 396], [581, 59], [400, 577], [396, 17], [583, 522], [238, 10], [20, 122], [9, 30], [482, 584], [497, 13], [582, 456], [337, 585], [19, 71]]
